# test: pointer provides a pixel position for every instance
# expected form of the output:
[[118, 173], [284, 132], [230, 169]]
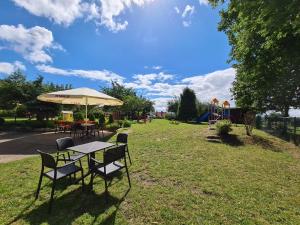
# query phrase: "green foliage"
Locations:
[[16, 92], [91, 117], [126, 123], [113, 126], [78, 116], [265, 41], [258, 122], [133, 104], [101, 120], [223, 127], [2, 121], [173, 105], [110, 119], [170, 116], [187, 109]]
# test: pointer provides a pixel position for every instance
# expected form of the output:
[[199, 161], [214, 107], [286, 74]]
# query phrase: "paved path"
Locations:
[[15, 146]]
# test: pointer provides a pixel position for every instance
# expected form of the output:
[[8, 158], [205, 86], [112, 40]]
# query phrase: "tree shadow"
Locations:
[[265, 143], [71, 206], [232, 140]]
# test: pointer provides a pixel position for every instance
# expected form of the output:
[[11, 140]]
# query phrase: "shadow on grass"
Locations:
[[232, 140], [67, 208], [265, 143]]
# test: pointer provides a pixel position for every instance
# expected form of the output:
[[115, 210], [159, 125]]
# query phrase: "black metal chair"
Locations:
[[56, 172], [110, 165], [62, 144], [77, 130], [123, 139]]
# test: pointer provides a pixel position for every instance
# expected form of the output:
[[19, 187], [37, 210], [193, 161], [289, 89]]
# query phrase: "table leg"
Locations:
[[91, 167]]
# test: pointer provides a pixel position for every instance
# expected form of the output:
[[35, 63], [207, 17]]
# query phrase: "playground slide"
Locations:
[[203, 117]]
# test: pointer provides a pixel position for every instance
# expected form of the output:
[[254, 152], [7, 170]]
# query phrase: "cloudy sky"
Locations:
[[157, 47]]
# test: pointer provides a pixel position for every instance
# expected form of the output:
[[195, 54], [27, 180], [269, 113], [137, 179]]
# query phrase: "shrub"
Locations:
[[120, 122], [101, 119], [78, 116], [223, 127], [113, 127], [110, 119], [91, 117], [170, 116], [126, 123], [2, 121]]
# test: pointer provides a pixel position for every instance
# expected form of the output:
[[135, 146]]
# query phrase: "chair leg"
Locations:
[[106, 190], [128, 154], [39, 185], [52, 195], [128, 176], [82, 179]]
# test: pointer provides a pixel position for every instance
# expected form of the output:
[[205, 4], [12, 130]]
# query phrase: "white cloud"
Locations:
[[187, 15], [203, 2], [188, 11], [157, 67], [103, 75], [32, 43], [177, 10], [112, 9], [216, 84], [60, 11], [65, 12], [160, 104], [8, 68]]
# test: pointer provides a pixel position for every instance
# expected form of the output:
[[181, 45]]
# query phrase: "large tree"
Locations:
[[265, 40], [187, 109], [133, 103]]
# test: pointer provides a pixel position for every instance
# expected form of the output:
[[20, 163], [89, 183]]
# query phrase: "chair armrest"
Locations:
[[97, 162]]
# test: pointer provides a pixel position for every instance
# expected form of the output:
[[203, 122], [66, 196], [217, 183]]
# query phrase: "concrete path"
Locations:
[[15, 146]]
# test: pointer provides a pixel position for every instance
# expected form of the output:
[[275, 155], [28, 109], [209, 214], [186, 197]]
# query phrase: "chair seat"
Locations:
[[76, 156], [63, 172], [110, 168]]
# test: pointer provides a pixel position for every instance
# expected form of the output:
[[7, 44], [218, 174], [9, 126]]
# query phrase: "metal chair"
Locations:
[[77, 130], [110, 165], [123, 139], [56, 173], [62, 144]]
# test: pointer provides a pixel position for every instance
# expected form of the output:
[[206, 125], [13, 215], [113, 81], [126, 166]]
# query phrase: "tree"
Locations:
[[12, 90], [173, 105], [133, 104], [187, 109], [265, 41]]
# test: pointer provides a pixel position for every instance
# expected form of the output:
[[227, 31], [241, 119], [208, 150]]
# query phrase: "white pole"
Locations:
[[86, 105]]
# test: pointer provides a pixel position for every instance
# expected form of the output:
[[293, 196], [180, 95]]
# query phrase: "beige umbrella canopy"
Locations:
[[80, 96]]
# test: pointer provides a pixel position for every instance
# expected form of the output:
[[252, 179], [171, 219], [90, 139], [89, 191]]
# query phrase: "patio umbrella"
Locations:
[[80, 96]]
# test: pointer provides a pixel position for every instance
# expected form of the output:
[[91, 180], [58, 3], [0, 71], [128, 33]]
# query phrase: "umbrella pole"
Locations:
[[86, 109]]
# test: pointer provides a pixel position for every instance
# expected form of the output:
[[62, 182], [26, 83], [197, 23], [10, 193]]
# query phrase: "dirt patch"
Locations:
[[145, 179]]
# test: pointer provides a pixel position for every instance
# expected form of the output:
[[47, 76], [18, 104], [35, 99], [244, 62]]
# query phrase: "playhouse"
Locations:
[[67, 116]]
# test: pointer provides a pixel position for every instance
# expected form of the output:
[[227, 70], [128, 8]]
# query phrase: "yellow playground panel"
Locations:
[[67, 116]]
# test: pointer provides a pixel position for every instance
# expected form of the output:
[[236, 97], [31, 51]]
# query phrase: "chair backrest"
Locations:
[[47, 160], [64, 143], [114, 154], [122, 138]]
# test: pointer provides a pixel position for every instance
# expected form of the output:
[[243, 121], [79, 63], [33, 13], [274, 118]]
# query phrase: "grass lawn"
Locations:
[[177, 178]]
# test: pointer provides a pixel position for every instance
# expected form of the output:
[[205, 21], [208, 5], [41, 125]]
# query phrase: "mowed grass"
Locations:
[[178, 177]]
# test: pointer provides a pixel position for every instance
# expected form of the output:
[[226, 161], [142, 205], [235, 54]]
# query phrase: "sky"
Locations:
[[157, 47]]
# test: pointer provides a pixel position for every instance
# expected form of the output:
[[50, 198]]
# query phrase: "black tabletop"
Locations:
[[91, 147]]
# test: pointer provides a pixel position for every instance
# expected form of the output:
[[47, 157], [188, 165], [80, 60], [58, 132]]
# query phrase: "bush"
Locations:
[[110, 119], [113, 127], [120, 122], [126, 123], [2, 121], [170, 116], [91, 117], [78, 116], [223, 127], [101, 119], [258, 122]]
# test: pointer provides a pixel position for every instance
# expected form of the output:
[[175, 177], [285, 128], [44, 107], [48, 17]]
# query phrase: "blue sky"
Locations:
[[157, 47]]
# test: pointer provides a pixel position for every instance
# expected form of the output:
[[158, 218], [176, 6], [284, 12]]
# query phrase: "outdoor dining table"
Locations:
[[90, 149]]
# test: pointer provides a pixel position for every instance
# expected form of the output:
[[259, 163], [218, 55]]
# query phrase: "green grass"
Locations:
[[177, 178]]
